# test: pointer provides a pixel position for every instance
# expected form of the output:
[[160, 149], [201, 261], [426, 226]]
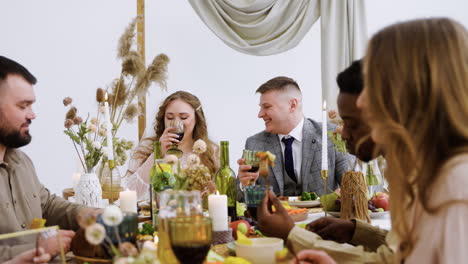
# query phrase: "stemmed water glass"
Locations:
[[178, 128], [191, 238]]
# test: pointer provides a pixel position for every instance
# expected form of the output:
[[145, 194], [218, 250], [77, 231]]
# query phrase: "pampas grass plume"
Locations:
[[130, 113], [120, 88], [133, 64], [126, 40]]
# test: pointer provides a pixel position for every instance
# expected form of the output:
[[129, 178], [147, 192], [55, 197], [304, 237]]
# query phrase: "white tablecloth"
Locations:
[[382, 221]]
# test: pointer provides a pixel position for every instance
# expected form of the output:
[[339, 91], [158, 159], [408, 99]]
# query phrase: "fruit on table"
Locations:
[[281, 255], [241, 226], [236, 260], [328, 202], [242, 239], [381, 200]]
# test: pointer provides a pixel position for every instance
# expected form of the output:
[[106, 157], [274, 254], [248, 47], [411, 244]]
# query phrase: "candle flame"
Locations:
[[105, 97], [324, 105]]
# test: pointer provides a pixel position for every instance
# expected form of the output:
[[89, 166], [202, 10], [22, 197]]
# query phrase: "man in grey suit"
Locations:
[[296, 142]]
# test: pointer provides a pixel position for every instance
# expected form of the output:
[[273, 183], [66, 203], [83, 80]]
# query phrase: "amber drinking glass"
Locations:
[[191, 238]]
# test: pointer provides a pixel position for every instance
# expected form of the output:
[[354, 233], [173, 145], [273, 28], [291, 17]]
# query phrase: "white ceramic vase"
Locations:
[[89, 191]]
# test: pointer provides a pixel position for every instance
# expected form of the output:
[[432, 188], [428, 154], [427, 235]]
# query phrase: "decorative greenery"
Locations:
[[338, 141]]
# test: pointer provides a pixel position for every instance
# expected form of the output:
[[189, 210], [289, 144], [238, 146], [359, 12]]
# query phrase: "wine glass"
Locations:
[[251, 159], [178, 128], [191, 238]]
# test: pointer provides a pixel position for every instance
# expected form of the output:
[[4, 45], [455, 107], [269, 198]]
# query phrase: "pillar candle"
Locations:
[[217, 207], [110, 146], [324, 137], [128, 201], [75, 179]]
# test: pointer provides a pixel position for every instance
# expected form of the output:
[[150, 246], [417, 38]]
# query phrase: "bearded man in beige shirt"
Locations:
[[22, 196]]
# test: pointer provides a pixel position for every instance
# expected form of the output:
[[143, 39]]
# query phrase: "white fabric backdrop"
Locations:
[[267, 27]]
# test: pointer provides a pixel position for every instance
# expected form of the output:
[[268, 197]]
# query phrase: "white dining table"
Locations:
[[383, 221]]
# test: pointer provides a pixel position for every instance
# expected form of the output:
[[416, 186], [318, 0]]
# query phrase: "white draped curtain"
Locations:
[[267, 27]]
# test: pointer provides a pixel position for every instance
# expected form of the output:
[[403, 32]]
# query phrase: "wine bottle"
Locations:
[[226, 180], [157, 150], [153, 194]]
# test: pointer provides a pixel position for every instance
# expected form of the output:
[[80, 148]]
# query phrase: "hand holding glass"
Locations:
[[251, 159], [178, 128]]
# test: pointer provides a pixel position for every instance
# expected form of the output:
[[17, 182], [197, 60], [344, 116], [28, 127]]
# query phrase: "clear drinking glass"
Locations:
[[253, 196], [178, 128]]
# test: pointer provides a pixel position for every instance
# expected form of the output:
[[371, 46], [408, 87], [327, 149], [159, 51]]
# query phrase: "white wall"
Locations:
[[71, 45]]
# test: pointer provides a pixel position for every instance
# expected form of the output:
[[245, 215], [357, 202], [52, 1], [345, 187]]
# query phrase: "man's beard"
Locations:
[[13, 138]]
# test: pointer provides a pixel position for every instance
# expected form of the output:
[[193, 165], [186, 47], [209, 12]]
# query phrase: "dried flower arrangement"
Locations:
[[135, 80], [125, 252], [86, 137]]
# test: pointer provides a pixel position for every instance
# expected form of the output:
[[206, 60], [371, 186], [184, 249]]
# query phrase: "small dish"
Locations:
[[262, 250]]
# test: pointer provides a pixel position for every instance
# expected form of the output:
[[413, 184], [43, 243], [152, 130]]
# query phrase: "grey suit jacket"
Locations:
[[311, 179]]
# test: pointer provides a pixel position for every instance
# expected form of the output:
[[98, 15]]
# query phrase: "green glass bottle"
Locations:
[[157, 150], [226, 180], [153, 194]]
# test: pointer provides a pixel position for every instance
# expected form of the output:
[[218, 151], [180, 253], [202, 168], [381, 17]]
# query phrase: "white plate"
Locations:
[[372, 215], [304, 204]]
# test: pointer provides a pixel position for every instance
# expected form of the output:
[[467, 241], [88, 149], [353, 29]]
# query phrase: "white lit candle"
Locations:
[[75, 179], [128, 201], [324, 137], [110, 146], [217, 207]]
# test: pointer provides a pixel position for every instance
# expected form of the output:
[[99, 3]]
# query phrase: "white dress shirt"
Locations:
[[296, 133]]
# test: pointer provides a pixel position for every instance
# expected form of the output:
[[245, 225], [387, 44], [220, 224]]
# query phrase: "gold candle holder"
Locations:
[[324, 174]]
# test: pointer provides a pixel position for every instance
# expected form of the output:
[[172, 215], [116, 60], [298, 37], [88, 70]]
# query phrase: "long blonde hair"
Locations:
[[200, 131], [416, 77]]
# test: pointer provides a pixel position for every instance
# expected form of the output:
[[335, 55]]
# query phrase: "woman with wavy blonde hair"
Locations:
[[416, 102], [179, 105]]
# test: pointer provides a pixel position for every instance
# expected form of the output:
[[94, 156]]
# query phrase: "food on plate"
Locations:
[[236, 260], [146, 229], [294, 211], [308, 196]]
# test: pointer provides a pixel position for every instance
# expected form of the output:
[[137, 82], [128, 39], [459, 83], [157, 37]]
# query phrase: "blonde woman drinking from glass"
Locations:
[[187, 108]]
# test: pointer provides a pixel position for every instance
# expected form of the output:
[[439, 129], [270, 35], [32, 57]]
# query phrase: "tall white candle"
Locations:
[[128, 201], [110, 146], [217, 207], [75, 179], [324, 137]]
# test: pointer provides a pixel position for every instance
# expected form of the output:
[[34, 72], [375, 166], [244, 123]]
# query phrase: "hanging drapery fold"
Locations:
[[267, 27], [343, 40], [262, 27]]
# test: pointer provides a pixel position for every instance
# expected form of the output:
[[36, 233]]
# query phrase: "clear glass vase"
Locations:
[[110, 182]]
